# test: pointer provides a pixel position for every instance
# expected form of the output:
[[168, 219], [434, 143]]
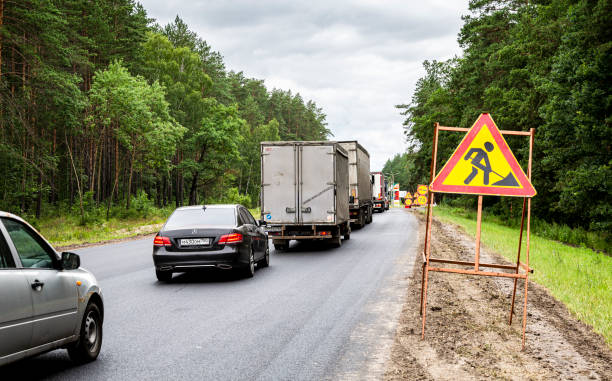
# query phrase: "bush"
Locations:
[[142, 204], [231, 197], [92, 213]]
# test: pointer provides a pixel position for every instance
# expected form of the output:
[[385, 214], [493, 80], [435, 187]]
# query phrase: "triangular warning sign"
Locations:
[[483, 164]]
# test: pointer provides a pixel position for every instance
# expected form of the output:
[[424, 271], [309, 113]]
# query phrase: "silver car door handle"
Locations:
[[37, 285]]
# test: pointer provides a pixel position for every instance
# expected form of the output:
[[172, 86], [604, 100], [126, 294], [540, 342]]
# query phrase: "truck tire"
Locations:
[[347, 233], [361, 223], [281, 246], [369, 217], [337, 241]]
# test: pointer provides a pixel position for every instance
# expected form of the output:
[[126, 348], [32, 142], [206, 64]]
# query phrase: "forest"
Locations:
[[543, 64], [103, 109]]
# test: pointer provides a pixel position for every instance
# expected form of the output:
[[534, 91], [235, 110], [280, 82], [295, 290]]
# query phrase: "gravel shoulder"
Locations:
[[467, 335]]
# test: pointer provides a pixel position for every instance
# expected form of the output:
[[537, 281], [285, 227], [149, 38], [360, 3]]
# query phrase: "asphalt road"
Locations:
[[315, 313]]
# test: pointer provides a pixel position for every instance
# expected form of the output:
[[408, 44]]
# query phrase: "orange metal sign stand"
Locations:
[[515, 272]]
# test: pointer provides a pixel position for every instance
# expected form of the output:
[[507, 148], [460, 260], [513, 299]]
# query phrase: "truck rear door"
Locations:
[[317, 184], [279, 184]]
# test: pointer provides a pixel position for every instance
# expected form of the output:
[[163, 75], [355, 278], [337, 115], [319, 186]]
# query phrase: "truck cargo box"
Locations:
[[360, 182], [304, 183]]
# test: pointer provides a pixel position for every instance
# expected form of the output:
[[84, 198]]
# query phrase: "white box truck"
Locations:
[[380, 192], [304, 192], [360, 183]]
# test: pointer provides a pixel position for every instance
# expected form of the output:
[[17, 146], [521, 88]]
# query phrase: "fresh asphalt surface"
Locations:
[[315, 313]]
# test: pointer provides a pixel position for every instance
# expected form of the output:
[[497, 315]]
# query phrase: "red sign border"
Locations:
[[437, 184]]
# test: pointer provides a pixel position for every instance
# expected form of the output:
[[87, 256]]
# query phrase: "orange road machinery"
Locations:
[[482, 164]]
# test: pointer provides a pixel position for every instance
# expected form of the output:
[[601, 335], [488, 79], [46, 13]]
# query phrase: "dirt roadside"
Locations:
[[468, 337]]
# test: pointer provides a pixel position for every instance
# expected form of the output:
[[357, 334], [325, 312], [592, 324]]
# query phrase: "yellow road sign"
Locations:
[[422, 189], [483, 164], [408, 201], [422, 200]]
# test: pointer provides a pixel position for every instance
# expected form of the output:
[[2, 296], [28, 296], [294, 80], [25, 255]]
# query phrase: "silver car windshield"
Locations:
[[192, 217]]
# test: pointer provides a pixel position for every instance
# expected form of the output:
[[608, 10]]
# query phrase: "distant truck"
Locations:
[[380, 192], [360, 183], [304, 192]]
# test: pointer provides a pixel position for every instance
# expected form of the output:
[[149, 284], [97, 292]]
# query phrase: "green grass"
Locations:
[[66, 230], [579, 277]]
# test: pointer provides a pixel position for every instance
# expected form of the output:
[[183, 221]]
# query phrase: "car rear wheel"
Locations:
[[90, 339], [265, 262], [249, 270], [163, 276]]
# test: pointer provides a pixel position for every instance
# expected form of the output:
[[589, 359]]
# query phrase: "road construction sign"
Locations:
[[483, 164], [422, 200], [422, 189], [415, 195]]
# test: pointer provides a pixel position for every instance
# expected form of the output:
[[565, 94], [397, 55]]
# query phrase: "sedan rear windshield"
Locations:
[[192, 217]]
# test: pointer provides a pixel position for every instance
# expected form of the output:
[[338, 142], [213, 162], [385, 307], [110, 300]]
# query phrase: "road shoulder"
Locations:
[[467, 333]]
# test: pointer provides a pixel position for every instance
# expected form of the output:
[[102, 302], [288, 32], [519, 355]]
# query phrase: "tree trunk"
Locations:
[[193, 199], [246, 192], [39, 196], [116, 166], [129, 188], [77, 181]]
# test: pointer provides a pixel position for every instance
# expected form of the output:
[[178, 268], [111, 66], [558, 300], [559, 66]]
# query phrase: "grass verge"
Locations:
[[66, 230], [579, 277], [62, 231]]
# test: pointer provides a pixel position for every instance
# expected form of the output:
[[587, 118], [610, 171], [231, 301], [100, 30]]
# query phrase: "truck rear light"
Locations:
[[324, 233], [230, 238], [161, 241]]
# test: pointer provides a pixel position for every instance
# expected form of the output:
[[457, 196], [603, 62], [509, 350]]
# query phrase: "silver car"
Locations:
[[46, 300]]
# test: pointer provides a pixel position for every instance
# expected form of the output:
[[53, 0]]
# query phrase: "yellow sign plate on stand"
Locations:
[[483, 164]]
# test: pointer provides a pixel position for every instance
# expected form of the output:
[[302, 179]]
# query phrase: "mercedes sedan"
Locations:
[[226, 237], [47, 300]]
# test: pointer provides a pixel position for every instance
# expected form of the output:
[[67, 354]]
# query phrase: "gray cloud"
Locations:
[[356, 59]]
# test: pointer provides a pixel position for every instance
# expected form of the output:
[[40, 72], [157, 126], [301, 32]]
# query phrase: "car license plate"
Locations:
[[273, 229], [195, 242]]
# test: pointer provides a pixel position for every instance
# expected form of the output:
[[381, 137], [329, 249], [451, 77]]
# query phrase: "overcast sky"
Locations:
[[356, 59]]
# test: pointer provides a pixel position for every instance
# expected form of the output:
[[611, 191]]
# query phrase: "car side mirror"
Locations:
[[262, 223], [70, 261]]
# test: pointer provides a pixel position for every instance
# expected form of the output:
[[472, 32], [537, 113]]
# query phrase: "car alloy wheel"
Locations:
[[249, 271], [265, 262]]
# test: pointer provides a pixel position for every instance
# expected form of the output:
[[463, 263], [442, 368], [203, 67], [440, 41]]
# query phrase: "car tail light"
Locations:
[[230, 238], [161, 241]]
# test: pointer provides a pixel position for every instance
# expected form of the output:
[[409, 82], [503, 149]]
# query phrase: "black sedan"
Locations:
[[221, 236]]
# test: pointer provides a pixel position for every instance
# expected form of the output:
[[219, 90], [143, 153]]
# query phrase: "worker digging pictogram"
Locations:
[[480, 160], [477, 167]]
